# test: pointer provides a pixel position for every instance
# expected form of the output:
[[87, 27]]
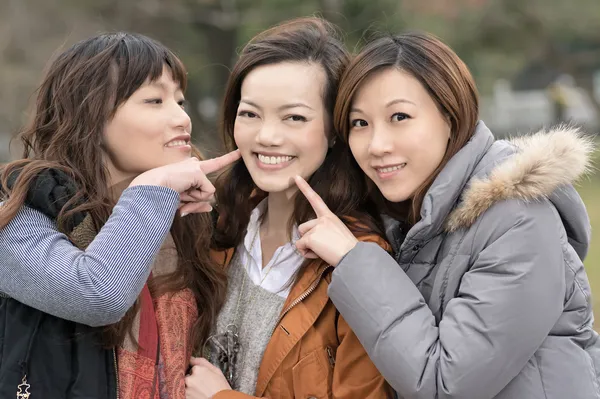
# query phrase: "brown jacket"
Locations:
[[313, 353]]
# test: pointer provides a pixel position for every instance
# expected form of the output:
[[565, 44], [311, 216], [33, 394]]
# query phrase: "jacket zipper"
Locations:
[[116, 370], [302, 297], [331, 356]]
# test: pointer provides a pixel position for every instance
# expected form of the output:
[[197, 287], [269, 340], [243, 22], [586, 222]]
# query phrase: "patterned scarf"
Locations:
[[154, 369]]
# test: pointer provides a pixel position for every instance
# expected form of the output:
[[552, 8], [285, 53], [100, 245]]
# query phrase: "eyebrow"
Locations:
[[283, 107], [389, 104], [164, 86]]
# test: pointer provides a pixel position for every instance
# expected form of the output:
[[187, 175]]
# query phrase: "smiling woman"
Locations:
[[100, 279], [486, 295], [278, 336]]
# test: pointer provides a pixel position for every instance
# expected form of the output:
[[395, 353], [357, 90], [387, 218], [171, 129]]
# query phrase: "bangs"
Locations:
[[139, 58]]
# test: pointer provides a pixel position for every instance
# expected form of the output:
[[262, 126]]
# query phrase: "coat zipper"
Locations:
[[330, 356], [302, 297], [116, 370]]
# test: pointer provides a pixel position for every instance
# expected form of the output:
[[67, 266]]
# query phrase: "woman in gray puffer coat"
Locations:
[[486, 295]]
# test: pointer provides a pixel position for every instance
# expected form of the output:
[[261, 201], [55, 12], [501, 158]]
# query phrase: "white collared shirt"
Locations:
[[287, 259]]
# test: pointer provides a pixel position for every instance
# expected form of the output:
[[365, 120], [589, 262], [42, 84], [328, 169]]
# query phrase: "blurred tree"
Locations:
[[497, 38]]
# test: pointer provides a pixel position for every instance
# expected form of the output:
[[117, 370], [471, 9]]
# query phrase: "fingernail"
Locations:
[[184, 214]]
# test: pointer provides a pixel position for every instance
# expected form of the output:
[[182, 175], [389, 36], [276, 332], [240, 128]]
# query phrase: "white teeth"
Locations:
[[176, 143], [391, 168], [273, 160]]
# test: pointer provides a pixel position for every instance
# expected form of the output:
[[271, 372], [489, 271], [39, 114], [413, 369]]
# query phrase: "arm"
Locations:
[[507, 303], [41, 268]]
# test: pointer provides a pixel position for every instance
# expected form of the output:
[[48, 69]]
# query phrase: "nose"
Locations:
[[181, 119], [269, 135], [381, 142]]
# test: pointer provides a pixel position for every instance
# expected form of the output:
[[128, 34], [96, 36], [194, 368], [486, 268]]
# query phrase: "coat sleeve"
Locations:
[[505, 307], [41, 268]]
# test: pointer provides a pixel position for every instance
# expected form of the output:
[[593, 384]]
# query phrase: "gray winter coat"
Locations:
[[491, 299]]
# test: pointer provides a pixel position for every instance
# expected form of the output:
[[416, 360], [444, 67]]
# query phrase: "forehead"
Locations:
[[166, 80], [285, 82], [390, 84]]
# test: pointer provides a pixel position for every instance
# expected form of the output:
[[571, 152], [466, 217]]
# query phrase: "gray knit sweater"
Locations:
[[256, 317]]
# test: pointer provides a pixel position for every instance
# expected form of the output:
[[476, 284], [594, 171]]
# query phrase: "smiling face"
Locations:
[[281, 124], [149, 130], [397, 135]]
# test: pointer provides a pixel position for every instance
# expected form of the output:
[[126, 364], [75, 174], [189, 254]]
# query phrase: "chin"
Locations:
[[273, 187], [395, 195]]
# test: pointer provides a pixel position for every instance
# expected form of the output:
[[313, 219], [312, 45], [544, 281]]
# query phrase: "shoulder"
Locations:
[[365, 230], [541, 164], [29, 219], [537, 219]]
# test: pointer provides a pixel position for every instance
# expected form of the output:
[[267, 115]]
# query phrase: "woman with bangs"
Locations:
[[486, 295], [278, 335], [101, 278]]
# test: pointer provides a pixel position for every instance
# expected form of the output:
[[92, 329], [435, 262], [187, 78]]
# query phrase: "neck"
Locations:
[[117, 187], [280, 207]]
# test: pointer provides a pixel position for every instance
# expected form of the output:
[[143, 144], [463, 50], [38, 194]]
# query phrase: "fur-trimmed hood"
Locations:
[[543, 162], [487, 171]]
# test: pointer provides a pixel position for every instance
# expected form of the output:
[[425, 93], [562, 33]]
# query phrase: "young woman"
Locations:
[[486, 295], [88, 216], [278, 335]]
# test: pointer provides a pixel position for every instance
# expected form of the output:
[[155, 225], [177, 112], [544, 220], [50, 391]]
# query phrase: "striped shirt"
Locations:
[[41, 268]]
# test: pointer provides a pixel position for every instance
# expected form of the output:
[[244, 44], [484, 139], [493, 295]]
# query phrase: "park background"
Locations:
[[536, 62]]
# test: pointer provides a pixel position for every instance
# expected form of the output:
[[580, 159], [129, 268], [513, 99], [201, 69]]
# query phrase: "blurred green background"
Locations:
[[536, 62], [589, 189]]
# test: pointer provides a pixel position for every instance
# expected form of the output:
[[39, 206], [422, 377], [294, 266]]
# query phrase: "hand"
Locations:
[[326, 237], [205, 380], [189, 179]]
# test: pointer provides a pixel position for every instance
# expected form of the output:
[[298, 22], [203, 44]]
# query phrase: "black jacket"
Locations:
[[49, 357]]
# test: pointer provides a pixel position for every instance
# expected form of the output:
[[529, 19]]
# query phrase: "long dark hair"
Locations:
[[338, 180], [445, 77], [81, 91]]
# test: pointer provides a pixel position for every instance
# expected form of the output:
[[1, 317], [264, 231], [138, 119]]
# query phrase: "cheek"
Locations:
[[318, 144], [242, 136], [358, 146]]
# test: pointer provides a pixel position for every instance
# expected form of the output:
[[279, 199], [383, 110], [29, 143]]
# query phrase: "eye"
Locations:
[[154, 101], [296, 118], [184, 104], [399, 116], [359, 123], [247, 114]]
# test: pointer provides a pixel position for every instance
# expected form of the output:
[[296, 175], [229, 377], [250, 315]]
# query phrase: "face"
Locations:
[[398, 135], [149, 130], [281, 122]]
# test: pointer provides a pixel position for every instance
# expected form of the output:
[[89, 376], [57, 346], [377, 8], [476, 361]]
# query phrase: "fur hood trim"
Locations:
[[543, 162]]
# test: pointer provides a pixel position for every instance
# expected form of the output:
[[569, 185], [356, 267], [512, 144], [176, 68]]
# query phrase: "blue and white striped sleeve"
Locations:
[[41, 268]]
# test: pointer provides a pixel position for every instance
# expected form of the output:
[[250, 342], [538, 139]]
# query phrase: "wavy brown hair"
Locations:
[[338, 180], [82, 89], [445, 77]]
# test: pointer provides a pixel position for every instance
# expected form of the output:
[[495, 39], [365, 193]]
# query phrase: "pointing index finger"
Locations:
[[313, 198], [212, 165]]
